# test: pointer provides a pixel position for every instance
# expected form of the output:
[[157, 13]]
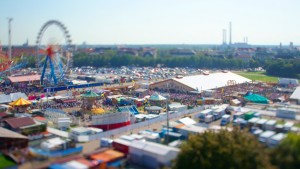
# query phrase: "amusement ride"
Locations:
[[54, 53]]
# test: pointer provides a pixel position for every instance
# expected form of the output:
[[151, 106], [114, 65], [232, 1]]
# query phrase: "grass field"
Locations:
[[258, 76], [4, 162]]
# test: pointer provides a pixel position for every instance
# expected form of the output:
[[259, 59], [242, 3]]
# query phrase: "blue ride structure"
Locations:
[[54, 53]]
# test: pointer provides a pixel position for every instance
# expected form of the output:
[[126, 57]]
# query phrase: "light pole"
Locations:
[[9, 40], [167, 113]]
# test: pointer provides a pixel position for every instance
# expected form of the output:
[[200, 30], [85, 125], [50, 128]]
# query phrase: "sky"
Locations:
[[264, 22]]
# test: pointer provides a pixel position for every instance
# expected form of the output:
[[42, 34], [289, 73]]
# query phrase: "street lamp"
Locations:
[[9, 39], [167, 113]]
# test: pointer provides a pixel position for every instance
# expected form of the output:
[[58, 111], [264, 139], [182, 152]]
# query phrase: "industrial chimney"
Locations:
[[230, 42], [224, 37]]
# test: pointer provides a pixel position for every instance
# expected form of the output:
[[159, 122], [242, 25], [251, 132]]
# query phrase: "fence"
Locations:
[[58, 132], [55, 89]]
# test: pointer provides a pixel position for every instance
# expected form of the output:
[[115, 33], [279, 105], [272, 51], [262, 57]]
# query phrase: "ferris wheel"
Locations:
[[54, 53]]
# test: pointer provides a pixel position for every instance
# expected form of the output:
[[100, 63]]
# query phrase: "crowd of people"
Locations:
[[55, 105], [224, 94], [23, 88], [270, 91]]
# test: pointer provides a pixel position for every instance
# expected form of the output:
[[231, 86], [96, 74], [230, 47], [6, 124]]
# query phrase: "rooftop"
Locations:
[[26, 78], [211, 81], [10, 134], [18, 122], [296, 94]]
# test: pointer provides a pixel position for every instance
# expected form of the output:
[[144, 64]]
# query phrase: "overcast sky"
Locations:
[[154, 21]]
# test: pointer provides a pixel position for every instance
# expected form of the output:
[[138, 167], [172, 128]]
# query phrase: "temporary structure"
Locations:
[[256, 98], [20, 105], [157, 97], [90, 94], [89, 99], [20, 102], [157, 100]]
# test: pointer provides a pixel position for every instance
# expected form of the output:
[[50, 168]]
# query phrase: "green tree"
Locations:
[[287, 154], [224, 149]]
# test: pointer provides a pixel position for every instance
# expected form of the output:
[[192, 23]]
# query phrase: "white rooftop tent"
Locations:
[[211, 81], [187, 121], [296, 95]]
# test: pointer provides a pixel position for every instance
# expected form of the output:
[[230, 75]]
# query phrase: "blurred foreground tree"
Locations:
[[225, 149], [287, 154]]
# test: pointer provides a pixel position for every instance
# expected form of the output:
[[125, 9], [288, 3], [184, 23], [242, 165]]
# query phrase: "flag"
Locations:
[[222, 90]]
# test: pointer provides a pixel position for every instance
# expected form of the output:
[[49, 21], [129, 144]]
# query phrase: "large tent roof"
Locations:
[[296, 94], [256, 98], [211, 81]]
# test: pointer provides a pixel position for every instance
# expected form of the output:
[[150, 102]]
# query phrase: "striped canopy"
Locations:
[[20, 102], [98, 111]]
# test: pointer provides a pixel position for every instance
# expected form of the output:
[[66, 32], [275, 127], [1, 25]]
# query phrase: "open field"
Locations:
[[257, 76], [4, 162]]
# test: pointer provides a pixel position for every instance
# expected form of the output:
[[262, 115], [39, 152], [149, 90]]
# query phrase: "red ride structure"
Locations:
[[5, 63]]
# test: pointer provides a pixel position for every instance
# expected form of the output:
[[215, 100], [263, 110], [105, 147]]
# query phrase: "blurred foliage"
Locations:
[[287, 154], [224, 149]]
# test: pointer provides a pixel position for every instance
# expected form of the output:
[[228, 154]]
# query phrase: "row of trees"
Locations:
[[199, 61], [275, 67], [283, 67], [237, 149]]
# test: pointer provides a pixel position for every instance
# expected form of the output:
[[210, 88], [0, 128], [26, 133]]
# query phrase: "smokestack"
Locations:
[[230, 42], [224, 36]]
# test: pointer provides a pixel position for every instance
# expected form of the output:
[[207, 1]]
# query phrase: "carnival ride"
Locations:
[[55, 60], [7, 65], [101, 118]]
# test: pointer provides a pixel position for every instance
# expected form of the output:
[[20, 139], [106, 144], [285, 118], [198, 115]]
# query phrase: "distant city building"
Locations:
[[291, 45], [128, 51], [100, 50], [240, 45], [182, 52], [244, 53], [148, 52], [18, 51], [244, 57]]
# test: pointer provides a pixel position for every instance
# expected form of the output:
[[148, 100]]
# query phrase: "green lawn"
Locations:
[[297, 125], [4, 162], [258, 76]]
